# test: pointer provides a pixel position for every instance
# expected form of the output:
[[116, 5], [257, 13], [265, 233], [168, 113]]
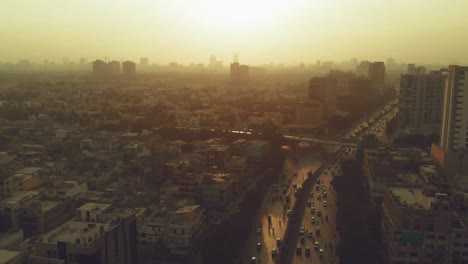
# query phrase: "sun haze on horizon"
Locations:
[[261, 31]]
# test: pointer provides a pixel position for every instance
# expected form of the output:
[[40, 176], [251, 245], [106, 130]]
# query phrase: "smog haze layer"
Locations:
[[261, 31]]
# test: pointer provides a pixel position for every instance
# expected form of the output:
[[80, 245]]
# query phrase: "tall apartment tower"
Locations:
[[100, 68], [234, 72], [420, 102], [454, 127], [144, 61], [114, 68], [377, 75], [412, 69], [324, 90], [128, 68]]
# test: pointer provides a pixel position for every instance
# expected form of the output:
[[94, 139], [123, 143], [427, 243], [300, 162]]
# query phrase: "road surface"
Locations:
[[309, 161]]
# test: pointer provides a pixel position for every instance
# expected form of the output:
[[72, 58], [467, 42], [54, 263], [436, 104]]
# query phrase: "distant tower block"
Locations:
[[236, 57]]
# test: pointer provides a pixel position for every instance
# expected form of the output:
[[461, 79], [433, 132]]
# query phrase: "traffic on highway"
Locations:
[[317, 238]]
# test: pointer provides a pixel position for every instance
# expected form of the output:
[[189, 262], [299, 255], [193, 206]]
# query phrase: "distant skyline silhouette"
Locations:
[[260, 31]]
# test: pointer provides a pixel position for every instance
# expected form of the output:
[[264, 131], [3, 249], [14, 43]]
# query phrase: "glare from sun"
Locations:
[[237, 14]]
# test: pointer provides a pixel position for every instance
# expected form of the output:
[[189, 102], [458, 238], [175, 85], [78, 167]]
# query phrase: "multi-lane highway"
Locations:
[[267, 234], [276, 207]]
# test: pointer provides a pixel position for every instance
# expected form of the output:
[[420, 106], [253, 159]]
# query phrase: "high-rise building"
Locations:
[[100, 68], [244, 72], [114, 68], [324, 89], [416, 225], [128, 68], [236, 57], [363, 68], [377, 75], [215, 64], [420, 102], [412, 69], [144, 61], [83, 61], [310, 113], [454, 130], [234, 72]]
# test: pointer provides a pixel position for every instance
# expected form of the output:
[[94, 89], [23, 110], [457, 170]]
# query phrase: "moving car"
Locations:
[[278, 241], [259, 231], [316, 245], [302, 231], [312, 210], [307, 251], [324, 203], [298, 250], [259, 246], [274, 253], [321, 253], [312, 220]]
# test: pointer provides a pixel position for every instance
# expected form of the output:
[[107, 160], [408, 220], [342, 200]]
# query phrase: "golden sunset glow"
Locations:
[[278, 31], [241, 14]]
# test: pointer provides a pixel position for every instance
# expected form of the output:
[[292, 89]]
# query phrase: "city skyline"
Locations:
[[278, 32]]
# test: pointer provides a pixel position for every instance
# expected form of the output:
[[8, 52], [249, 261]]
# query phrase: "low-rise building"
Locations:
[[40, 216], [218, 157], [67, 189], [184, 228], [12, 256], [256, 150], [217, 190], [99, 234], [9, 208], [24, 180]]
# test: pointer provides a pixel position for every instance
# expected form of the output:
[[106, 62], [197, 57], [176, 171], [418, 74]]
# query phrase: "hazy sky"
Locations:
[[261, 31]]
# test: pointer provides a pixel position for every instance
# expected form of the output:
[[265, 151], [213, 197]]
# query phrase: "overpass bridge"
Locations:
[[334, 142], [299, 137]]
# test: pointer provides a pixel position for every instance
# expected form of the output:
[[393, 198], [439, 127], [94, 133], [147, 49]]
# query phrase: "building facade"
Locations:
[[324, 90], [128, 68], [420, 102], [310, 113], [98, 235], [377, 75], [454, 127], [416, 225]]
